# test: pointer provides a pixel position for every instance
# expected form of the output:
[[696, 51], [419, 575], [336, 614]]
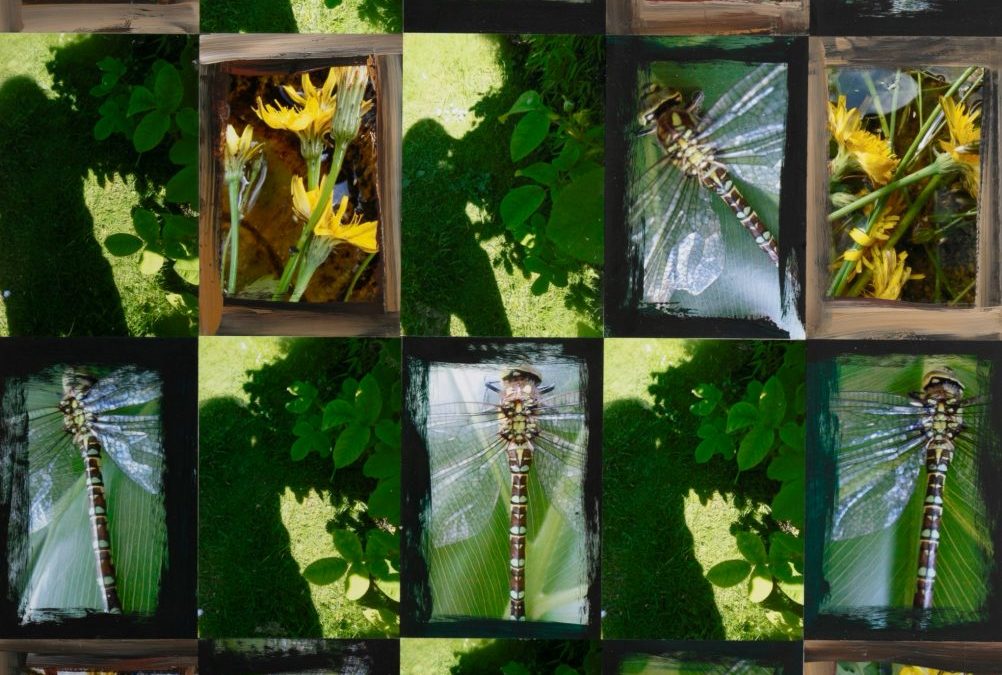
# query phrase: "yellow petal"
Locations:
[[362, 235], [232, 140], [300, 198]]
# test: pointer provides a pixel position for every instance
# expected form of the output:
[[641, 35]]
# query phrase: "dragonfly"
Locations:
[[670, 210], [521, 424], [78, 419], [886, 441]]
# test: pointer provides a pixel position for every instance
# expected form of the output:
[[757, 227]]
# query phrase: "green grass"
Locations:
[[301, 16], [666, 519], [61, 194], [456, 171], [262, 517], [462, 656]]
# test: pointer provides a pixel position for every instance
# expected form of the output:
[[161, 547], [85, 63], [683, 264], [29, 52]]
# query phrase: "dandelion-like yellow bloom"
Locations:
[[310, 122], [351, 84], [964, 143], [919, 670], [239, 150], [888, 220], [889, 273], [325, 96], [857, 147], [358, 234]]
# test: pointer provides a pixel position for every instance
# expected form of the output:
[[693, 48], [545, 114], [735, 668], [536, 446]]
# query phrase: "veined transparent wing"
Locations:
[[880, 458], [561, 453], [747, 127]]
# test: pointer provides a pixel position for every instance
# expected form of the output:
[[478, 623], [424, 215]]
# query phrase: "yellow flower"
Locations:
[[240, 149], [964, 143], [857, 147], [919, 670], [324, 96], [888, 220], [351, 84], [309, 122], [842, 122], [889, 273], [358, 234]]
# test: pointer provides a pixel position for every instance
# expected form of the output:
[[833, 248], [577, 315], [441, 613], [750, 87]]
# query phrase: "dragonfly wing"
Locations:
[[747, 127], [879, 461], [681, 241], [561, 456], [467, 469], [122, 388], [134, 443]]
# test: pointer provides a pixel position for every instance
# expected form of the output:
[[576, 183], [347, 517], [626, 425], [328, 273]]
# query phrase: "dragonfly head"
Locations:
[[655, 101], [943, 383], [521, 372]]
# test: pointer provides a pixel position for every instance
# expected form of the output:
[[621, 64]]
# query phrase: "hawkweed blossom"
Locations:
[[857, 147], [351, 84], [244, 172], [964, 144], [328, 232], [888, 220], [889, 273]]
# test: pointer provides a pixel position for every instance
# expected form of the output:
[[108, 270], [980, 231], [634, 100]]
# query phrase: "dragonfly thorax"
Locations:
[[76, 421]]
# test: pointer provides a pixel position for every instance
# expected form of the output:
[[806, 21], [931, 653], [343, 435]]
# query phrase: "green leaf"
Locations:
[[569, 155], [184, 151], [792, 434], [110, 64], [350, 444], [325, 571], [105, 127], [527, 102], [140, 100], [182, 188], [709, 396], [368, 401], [168, 89], [150, 131], [382, 544], [780, 561], [772, 402], [297, 405], [540, 285], [388, 431], [515, 668], [187, 121], [755, 446], [357, 583], [577, 220], [147, 225], [728, 573], [759, 584], [529, 133], [384, 502], [384, 462], [787, 465], [150, 263], [187, 270], [348, 545], [337, 413], [121, 244], [520, 203], [541, 172], [180, 227], [793, 589], [788, 504], [751, 547], [740, 416], [714, 442]]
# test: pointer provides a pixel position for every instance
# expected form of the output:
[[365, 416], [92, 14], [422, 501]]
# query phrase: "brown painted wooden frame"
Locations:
[[853, 319], [821, 656], [298, 51], [179, 655], [706, 17], [179, 16]]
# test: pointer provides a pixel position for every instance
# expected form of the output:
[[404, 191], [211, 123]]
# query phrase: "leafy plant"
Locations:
[[764, 428], [557, 219], [359, 427], [150, 101]]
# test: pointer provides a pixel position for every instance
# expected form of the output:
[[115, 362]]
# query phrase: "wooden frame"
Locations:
[[276, 318], [709, 17], [820, 656], [177, 16], [179, 655], [827, 318]]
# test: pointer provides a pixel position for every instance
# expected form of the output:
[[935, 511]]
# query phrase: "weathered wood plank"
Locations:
[[211, 88], [712, 17], [10, 16], [111, 18], [240, 320], [950, 656], [218, 48], [390, 173]]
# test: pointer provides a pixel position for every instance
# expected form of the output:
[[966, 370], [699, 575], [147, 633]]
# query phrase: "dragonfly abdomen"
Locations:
[[718, 180], [519, 426], [98, 512]]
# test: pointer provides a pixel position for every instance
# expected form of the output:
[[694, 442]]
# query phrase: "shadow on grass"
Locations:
[[653, 586], [59, 282], [249, 583], [276, 16], [535, 656]]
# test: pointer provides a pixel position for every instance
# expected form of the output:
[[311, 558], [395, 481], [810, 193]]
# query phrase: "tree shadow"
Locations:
[[247, 16], [58, 280], [535, 656], [245, 472], [388, 15], [649, 474]]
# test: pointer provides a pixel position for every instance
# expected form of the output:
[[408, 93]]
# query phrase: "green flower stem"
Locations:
[[842, 276], [313, 171], [924, 172], [354, 279], [234, 192], [327, 189]]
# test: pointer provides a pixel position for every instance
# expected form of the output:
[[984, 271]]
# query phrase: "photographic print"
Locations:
[[472, 656], [503, 431], [346, 17], [705, 145], [904, 534]]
